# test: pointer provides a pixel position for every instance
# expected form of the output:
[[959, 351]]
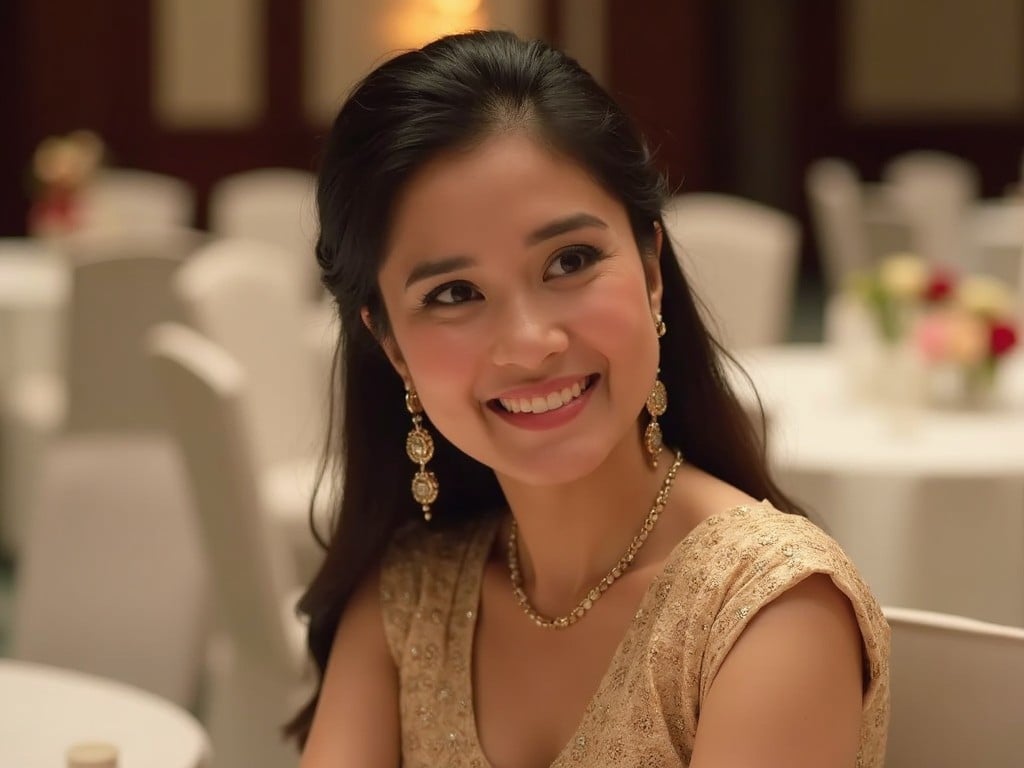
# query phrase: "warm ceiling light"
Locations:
[[457, 7], [420, 21]]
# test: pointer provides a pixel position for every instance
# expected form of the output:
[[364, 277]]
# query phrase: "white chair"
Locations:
[[120, 285], [996, 232], [933, 191], [131, 200], [741, 259], [243, 295], [957, 692], [258, 667], [837, 209], [109, 576], [275, 205], [111, 579]]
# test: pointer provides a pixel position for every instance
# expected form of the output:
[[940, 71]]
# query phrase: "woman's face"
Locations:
[[521, 309]]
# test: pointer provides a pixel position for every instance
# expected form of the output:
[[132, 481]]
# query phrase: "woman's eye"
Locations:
[[571, 260], [451, 294]]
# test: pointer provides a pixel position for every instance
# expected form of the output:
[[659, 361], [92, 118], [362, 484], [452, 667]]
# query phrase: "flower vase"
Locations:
[[955, 387], [901, 385]]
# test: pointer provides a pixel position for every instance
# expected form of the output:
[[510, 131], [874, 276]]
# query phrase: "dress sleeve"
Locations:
[[401, 577], [767, 554]]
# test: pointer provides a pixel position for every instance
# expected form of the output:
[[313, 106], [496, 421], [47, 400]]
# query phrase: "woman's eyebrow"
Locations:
[[427, 269], [561, 226]]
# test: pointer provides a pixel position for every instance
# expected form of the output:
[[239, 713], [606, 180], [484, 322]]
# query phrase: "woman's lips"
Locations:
[[550, 397], [551, 417]]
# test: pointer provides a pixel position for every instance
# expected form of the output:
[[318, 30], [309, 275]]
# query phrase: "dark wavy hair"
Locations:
[[452, 94]]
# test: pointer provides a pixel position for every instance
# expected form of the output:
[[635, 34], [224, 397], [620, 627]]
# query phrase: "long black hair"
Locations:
[[451, 94]]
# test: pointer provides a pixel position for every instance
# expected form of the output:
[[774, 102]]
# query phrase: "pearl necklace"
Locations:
[[561, 622]]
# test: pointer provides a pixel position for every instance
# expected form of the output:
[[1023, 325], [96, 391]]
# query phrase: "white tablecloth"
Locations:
[[928, 503], [45, 710], [34, 287]]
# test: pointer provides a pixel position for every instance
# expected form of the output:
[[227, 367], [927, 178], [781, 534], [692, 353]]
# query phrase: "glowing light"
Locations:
[[457, 7], [419, 22]]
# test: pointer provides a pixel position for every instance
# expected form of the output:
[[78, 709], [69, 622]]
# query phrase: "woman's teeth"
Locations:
[[551, 402]]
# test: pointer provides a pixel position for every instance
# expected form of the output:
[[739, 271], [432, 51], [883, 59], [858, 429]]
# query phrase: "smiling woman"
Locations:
[[592, 565]]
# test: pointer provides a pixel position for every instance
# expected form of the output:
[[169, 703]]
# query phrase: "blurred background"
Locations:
[[165, 348], [739, 95]]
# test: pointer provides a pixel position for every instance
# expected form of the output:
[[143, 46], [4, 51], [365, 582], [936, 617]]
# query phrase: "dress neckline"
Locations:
[[480, 546]]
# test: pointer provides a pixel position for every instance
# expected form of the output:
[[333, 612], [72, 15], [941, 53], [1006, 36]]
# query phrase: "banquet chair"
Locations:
[[120, 285], [109, 577], [244, 296], [934, 192], [741, 258], [275, 205], [957, 692], [131, 200], [837, 209], [257, 670]]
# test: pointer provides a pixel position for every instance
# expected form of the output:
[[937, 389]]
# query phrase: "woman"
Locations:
[[592, 567]]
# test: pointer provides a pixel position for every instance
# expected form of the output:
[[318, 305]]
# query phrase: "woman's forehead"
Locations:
[[505, 185]]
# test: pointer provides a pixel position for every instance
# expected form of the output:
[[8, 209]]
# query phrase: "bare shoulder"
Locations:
[[356, 721], [790, 690]]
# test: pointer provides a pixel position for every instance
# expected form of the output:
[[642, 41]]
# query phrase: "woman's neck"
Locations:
[[569, 536]]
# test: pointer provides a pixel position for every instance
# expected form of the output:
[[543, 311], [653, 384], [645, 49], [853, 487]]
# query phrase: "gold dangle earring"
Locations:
[[419, 447], [657, 404]]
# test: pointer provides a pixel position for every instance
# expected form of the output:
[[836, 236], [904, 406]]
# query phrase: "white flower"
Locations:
[[903, 276], [986, 296]]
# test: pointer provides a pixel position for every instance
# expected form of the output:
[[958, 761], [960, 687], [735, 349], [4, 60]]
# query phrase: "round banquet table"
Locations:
[[927, 502], [44, 710]]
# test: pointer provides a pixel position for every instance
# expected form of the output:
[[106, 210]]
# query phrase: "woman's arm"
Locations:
[[790, 691], [356, 722]]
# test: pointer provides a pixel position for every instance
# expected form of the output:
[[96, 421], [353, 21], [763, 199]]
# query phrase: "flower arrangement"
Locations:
[[954, 325], [61, 167]]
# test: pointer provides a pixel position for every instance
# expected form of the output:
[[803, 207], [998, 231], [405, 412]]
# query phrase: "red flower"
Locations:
[[1002, 339], [939, 286]]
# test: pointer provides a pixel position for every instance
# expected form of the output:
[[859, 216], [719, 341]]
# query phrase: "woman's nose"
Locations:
[[527, 335]]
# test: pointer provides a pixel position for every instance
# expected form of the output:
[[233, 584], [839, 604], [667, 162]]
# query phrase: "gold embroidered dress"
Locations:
[[645, 710]]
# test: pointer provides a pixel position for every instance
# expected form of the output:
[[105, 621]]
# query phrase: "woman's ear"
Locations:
[[387, 344], [652, 270]]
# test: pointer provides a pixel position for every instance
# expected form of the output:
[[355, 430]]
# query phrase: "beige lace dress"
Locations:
[[646, 707]]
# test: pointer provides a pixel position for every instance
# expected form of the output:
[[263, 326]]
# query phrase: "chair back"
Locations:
[[250, 569], [111, 574], [934, 191], [740, 258], [837, 209], [243, 294], [130, 200], [274, 205], [957, 691], [120, 286]]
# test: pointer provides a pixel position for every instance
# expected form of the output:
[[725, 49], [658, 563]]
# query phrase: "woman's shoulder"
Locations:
[[761, 527], [759, 551], [740, 560]]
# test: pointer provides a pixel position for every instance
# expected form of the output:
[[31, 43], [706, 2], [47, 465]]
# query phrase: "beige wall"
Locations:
[[930, 59], [209, 58]]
